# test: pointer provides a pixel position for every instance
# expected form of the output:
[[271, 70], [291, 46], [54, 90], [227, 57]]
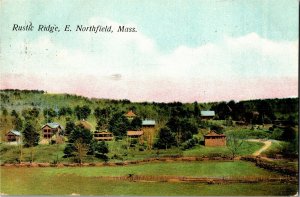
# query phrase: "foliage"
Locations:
[[63, 111], [101, 150], [190, 143], [49, 113], [118, 125], [165, 139], [183, 128], [82, 112], [289, 134], [81, 132], [30, 135], [30, 113], [234, 145], [81, 150], [136, 124], [70, 126]]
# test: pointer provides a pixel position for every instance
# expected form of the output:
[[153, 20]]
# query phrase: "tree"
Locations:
[[101, 123], [49, 113], [101, 113], [288, 134], [82, 112], [79, 145], [183, 129], [136, 124], [4, 111], [14, 113], [196, 110], [223, 110], [100, 150], [31, 137], [70, 126], [81, 132], [81, 150], [165, 139], [63, 111], [118, 125], [234, 144], [30, 114], [18, 123]]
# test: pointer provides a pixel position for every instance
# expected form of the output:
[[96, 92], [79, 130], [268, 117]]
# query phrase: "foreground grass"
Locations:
[[193, 169], [84, 181]]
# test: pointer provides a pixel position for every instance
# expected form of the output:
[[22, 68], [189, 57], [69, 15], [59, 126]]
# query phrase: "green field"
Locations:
[[50, 153], [193, 169], [86, 180]]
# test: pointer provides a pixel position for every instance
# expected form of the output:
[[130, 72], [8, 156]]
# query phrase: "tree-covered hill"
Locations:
[[65, 107]]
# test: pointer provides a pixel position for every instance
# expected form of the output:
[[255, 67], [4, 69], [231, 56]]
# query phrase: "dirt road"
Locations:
[[267, 143]]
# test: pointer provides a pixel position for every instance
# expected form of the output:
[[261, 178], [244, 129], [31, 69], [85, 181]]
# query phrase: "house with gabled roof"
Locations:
[[50, 129], [13, 136], [130, 115], [214, 139], [207, 114]]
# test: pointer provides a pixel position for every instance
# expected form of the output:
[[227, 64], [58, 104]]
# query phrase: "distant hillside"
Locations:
[[20, 100]]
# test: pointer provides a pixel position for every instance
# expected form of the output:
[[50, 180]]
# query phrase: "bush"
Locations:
[[190, 143]]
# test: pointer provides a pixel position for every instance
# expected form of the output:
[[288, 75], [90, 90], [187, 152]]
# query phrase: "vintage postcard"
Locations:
[[149, 98]]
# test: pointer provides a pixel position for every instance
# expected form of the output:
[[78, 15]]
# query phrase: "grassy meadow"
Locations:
[[51, 153], [86, 180]]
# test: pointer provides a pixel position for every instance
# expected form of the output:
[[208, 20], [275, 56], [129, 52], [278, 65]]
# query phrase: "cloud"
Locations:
[[130, 65]]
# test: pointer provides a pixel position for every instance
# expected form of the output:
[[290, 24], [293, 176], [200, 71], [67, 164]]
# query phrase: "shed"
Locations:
[[207, 114], [148, 123], [214, 139]]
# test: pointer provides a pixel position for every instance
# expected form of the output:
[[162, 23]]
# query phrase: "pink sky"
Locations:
[[160, 90]]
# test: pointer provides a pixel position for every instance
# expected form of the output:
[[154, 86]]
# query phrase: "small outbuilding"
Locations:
[[214, 139], [13, 136], [207, 114], [148, 123]]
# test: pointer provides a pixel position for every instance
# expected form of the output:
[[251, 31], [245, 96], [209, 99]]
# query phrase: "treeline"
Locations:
[[59, 105]]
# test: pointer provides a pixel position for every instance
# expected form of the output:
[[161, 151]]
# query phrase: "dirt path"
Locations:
[[267, 143]]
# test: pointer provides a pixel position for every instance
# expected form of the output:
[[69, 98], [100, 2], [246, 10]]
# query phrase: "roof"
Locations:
[[103, 132], [52, 125], [212, 133], [207, 113], [134, 133], [148, 122], [130, 114], [18, 133]]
